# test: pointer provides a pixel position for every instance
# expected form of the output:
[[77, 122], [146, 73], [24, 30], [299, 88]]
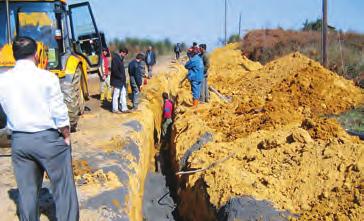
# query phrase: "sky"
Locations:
[[203, 20]]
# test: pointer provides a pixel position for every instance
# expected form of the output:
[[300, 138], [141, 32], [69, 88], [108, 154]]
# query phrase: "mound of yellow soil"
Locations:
[[282, 147], [287, 90]]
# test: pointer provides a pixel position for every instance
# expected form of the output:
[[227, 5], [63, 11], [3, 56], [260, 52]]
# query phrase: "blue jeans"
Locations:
[[196, 89]]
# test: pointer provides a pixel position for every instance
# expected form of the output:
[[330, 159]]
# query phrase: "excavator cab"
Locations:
[[87, 40], [69, 43]]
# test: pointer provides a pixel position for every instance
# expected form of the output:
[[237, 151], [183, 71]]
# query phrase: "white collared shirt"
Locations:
[[32, 99]]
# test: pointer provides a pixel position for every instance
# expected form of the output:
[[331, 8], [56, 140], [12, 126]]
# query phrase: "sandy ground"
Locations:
[[99, 133]]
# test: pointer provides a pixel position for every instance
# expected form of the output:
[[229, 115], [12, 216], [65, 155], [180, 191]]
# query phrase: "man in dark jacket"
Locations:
[[177, 50], [204, 86], [118, 81], [136, 72], [150, 60]]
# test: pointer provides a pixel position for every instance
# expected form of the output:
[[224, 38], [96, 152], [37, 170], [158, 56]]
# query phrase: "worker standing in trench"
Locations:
[[37, 115], [195, 74], [167, 116]]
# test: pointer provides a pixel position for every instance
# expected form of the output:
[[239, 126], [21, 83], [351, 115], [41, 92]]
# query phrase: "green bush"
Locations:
[[136, 45]]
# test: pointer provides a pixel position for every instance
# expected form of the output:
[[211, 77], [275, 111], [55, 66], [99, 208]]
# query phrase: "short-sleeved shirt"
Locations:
[[168, 109]]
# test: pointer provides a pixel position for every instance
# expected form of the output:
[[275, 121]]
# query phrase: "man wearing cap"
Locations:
[[38, 118], [195, 75]]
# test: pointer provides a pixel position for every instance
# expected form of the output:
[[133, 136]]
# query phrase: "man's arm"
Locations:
[[189, 64], [206, 62], [154, 58], [58, 108]]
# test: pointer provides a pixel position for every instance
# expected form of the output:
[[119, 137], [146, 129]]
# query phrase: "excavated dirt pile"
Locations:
[[273, 141]]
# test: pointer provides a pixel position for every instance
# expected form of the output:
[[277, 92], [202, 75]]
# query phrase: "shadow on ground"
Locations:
[[47, 205]]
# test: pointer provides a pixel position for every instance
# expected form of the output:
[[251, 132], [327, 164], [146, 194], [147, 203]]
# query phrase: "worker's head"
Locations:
[[194, 51], [105, 51], [25, 48], [194, 44], [123, 52], [140, 57], [150, 48], [202, 48], [165, 95]]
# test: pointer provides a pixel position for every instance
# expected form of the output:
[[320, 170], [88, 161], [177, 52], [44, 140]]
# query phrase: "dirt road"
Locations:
[[109, 162]]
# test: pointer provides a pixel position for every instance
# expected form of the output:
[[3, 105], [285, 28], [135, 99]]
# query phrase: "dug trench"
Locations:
[[168, 194], [261, 149]]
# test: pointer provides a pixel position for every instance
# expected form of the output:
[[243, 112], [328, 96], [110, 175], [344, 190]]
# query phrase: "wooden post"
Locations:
[[324, 34]]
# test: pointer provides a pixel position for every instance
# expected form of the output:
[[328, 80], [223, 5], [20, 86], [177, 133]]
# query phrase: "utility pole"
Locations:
[[324, 34], [240, 25], [225, 22], [8, 21]]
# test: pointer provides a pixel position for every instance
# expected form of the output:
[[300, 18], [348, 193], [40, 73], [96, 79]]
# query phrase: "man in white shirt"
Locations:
[[38, 117]]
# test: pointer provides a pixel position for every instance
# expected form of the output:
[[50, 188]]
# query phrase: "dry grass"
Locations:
[[346, 50]]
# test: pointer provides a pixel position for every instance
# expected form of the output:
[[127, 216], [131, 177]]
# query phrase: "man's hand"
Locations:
[[65, 131], [68, 140]]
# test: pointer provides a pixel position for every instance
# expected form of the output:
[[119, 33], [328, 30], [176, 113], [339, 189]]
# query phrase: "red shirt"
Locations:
[[105, 62], [168, 109]]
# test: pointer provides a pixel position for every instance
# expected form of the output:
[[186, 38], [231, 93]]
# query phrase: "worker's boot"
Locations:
[[102, 96], [195, 103]]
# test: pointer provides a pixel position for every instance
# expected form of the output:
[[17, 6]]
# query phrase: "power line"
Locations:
[[225, 22]]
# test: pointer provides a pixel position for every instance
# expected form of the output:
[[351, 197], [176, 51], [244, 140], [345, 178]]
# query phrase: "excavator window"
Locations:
[[85, 34], [36, 20]]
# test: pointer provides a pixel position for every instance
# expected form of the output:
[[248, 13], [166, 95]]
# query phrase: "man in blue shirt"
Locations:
[[150, 60], [195, 74], [136, 72], [38, 117]]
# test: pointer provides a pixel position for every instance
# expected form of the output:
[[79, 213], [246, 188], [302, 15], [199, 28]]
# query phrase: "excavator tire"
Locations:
[[73, 96], [2, 118]]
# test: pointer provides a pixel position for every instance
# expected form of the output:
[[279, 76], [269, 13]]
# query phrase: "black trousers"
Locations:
[[32, 155]]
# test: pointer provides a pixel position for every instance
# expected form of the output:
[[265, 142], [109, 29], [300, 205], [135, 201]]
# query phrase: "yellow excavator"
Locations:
[[69, 44]]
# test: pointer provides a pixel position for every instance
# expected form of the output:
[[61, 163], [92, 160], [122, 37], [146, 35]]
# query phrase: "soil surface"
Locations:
[[272, 141]]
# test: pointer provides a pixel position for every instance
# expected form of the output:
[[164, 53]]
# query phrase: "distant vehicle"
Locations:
[[69, 44]]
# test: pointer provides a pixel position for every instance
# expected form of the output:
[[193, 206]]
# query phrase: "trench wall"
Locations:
[[144, 131]]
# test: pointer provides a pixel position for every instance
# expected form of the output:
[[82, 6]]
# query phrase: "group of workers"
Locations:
[[41, 130], [114, 77], [198, 66]]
